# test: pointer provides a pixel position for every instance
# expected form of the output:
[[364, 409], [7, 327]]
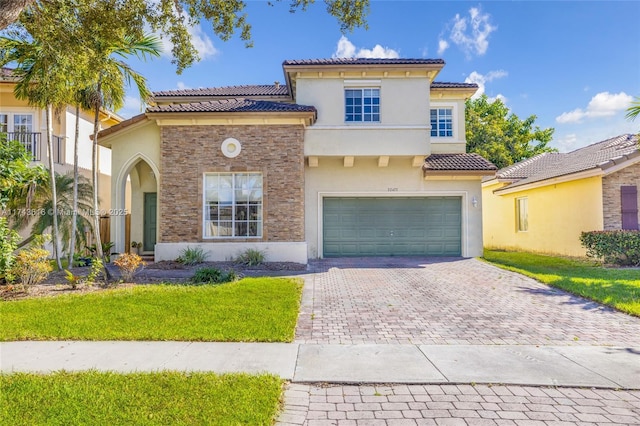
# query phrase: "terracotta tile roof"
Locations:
[[457, 162], [6, 72], [121, 125], [363, 61], [229, 91], [450, 85], [551, 165], [232, 105]]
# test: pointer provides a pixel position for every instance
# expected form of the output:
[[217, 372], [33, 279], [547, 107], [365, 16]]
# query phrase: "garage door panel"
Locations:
[[398, 226]]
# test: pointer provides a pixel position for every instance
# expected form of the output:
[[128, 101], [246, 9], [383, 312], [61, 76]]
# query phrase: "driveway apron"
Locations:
[[448, 301]]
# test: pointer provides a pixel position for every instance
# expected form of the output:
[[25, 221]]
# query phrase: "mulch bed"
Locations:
[[167, 271]]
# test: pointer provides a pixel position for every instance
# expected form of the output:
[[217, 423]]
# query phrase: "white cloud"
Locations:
[[481, 80], [200, 40], [182, 86], [442, 46], [471, 34], [346, 49], [604, 104], [566, 143]]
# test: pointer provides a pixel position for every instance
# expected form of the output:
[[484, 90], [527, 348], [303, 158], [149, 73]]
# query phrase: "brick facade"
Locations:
[[187, 152], [611, 194]]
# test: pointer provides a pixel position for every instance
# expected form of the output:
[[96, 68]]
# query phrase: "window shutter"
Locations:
[[629, 203]]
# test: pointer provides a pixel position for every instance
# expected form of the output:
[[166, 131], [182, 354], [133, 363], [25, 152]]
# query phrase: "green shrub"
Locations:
[[251, 257], [213, 276], [8, 243], [96, 272], [192, 256], [615, 247]]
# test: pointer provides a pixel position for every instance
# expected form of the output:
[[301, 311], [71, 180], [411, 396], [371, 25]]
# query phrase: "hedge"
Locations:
[[614, 247]]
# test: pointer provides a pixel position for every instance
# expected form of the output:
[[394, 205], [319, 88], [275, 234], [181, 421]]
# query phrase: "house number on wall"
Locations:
[[392, 189]]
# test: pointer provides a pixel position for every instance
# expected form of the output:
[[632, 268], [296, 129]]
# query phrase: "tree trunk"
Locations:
[[54, 197], [95, 169], [74, 205], [10, 10]]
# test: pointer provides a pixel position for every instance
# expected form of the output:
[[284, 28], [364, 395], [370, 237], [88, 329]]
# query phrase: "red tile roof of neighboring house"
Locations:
[[228, 91], [457, 162], [363, 61], [232, 105], [550, 165]]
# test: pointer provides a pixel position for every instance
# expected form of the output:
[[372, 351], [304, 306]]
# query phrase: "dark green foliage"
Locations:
[[614, 247], [213, 276], [192, 256], [251, 257], [500, 136]]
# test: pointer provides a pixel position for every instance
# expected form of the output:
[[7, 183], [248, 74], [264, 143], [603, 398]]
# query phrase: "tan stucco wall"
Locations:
[[558, 213], [140, 143], [404, 127], [365, 178], [611, 204]]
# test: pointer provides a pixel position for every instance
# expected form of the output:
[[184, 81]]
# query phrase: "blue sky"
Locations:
[[575, 65]]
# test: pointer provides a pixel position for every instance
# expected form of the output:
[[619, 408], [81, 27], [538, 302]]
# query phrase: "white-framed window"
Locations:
[[522, 214], [362, 105], [441, 120], [4, 123], [232, 205], [23, 123]]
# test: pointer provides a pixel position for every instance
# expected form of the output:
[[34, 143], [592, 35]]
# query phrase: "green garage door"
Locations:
[[398, 226]]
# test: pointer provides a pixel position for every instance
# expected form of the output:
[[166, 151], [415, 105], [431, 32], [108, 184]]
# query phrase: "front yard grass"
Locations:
[[615, 287], [250, 310], [164, 398]]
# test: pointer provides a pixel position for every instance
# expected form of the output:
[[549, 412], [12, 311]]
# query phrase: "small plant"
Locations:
[[97, 270], [213, 276], [192, 256], [251, 257], [136, 246], [128, 264], [73, 279], [31, 266], [79, 260], [106, 250], [8, 243]]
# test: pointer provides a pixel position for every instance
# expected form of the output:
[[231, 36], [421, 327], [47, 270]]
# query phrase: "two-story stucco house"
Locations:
[[350, 157], [27, 124]]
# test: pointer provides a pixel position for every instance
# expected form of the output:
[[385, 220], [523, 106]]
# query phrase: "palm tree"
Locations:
[[41, 81], [42, 203], [112, 75], [81, 100], [634, 110]]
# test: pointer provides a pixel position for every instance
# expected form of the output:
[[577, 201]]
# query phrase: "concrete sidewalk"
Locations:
[[581, 366]]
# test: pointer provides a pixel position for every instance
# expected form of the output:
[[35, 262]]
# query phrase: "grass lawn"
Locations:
[[250, 310], [615, 287], [165, 398]]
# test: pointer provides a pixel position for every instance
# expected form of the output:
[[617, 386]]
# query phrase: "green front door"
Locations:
[[149, 227], [392, 226]]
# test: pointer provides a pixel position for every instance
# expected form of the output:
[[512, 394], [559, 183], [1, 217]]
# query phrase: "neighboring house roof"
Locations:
[[6, 72], [228, 91], [600, 155], [450, 85], [363, 61], [232, 105], [457, 162]]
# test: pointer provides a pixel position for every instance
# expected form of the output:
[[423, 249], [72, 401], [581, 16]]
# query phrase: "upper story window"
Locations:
[[362, 105], [442, 122], [4, 123], [23, 123], [232, 205]]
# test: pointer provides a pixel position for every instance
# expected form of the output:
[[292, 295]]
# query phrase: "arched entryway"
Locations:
[[136, 186]]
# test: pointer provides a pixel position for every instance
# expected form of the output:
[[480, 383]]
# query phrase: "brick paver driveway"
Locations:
[[448, 301]]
